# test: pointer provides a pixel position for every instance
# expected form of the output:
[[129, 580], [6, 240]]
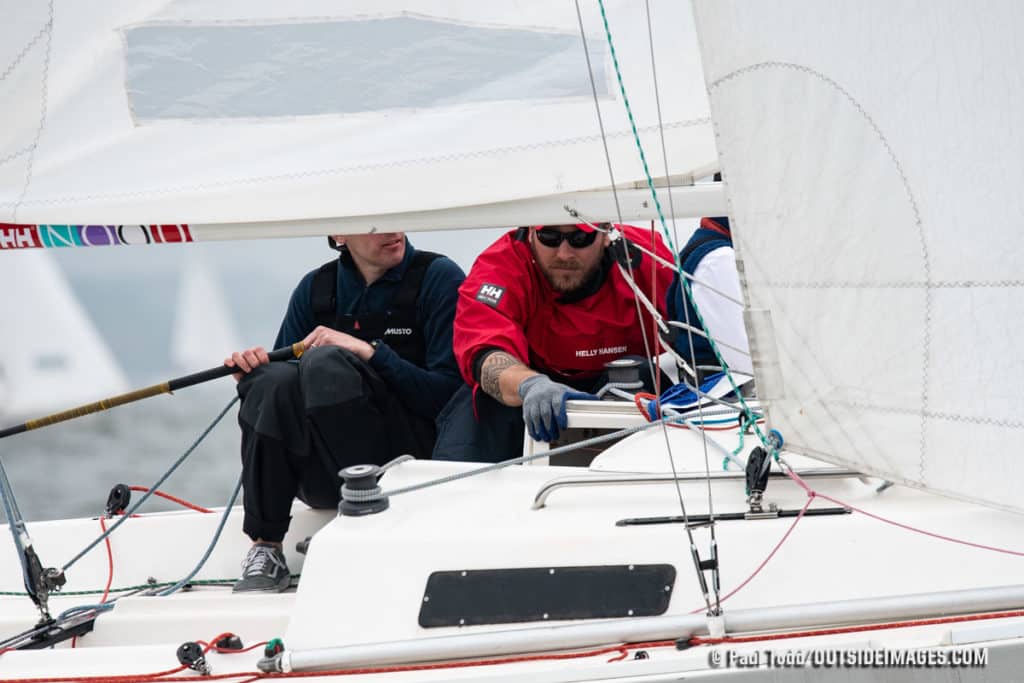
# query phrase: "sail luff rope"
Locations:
[[653, 369]]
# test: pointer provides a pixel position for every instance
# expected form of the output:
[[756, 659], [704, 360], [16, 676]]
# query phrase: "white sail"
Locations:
[[873, 169], [53, 356], [157, 112], [204, 328]]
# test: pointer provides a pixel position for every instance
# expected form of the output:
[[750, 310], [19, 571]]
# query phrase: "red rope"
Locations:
[[173, 499], [110, 573], [643, 396], [622, 651], [110, 563], [924, 532], [654, 323], [761, 566], [228, 650], [856, 629]]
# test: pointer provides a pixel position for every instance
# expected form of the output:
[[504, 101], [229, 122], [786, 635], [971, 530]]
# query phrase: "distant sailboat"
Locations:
[[204, 330], [63, 359]]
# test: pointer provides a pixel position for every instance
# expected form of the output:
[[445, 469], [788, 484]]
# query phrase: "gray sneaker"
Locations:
[[264, 570]]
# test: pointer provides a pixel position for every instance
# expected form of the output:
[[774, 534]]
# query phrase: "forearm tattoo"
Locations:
[[496, 363]]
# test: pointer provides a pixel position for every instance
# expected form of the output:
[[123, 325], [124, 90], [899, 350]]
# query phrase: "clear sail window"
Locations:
[[347, 67]]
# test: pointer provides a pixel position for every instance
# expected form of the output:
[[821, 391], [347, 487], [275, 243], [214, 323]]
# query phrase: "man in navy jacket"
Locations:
[[377, 327]]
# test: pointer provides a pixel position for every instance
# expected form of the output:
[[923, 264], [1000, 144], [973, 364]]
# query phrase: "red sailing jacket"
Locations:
[[507, 303]]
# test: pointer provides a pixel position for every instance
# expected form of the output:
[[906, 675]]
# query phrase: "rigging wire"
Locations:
[[686, 312], [593, 86], [585, 443], [611, 178], [700, 333], [16, 524], [772, 443], [128, 513], [661, 260]]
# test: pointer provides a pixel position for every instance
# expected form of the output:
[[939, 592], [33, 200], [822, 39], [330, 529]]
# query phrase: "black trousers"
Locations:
[[303, 422]]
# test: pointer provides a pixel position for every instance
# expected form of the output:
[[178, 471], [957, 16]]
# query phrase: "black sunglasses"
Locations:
[[577, 239]]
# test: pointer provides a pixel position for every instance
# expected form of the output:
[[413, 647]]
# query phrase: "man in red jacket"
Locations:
[[542, 311]]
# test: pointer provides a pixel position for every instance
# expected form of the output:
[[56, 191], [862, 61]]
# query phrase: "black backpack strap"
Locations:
[[405, 297], [324, 294], [626, 253]]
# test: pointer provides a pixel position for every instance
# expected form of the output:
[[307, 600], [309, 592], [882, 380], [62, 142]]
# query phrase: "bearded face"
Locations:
[[566, 267]]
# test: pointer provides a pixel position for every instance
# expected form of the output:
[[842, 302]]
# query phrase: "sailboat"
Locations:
[[203, 324], [870, 155], [63, 358]]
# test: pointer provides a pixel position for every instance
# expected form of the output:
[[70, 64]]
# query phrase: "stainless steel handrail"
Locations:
[[645, 479]]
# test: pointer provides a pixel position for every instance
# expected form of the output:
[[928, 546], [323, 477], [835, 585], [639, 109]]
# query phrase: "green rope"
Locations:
[[769, 444], [736, 452], [127, 589]]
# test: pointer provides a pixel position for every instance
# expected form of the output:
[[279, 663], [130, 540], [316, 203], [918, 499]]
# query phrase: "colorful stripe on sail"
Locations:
[[15, 236]]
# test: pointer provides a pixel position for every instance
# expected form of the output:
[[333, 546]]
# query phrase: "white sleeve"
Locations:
[[724, 318]]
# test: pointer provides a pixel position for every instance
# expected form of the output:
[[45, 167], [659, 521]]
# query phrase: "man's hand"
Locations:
[[247, 360], [325, 336], [544, 406]]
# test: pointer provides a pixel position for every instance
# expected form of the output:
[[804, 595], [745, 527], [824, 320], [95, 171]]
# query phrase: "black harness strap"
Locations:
[[324, 293]]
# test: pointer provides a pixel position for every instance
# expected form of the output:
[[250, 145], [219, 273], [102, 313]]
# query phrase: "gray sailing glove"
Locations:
[[544, 406]]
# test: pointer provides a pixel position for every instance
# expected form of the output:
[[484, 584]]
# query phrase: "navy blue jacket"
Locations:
[[424, 391], [713, 233]]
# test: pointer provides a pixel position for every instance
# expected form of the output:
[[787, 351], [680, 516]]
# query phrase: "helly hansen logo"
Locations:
[[490, 294], [396, 331]]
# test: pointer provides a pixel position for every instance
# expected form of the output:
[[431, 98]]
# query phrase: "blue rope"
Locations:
[[213, 543], [153, 488]]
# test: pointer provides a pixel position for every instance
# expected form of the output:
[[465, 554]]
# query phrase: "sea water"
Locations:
[[68, 469]]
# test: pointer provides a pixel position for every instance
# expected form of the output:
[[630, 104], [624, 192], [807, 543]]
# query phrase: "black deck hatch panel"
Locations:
[[508, 596]]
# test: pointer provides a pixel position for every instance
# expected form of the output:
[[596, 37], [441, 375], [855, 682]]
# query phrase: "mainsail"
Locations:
[[874, 174], [159, 114]]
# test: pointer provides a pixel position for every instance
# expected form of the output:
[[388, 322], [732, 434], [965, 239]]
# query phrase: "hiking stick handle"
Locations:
[[285, 353]]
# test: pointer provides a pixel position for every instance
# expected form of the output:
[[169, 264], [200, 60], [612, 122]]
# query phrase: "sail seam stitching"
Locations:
[[918, 223], [481, 154], [934, 415], [44, 103], [21, 55], [21, 152]]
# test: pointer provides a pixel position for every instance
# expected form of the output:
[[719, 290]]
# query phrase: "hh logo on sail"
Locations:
[[14, 236]]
